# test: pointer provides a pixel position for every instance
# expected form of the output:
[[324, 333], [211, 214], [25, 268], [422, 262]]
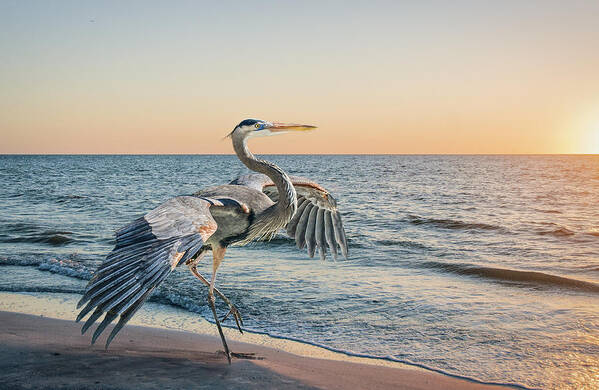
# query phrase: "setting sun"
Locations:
[[593, 142], [588, 130]]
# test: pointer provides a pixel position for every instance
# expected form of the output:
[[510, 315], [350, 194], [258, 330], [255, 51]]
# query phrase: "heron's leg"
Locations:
[[232, 309], [218, 253]]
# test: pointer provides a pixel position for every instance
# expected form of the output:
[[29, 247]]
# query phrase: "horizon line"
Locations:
[[301, 154]]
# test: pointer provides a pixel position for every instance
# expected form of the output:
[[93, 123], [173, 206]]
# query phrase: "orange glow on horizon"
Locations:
[[408, 79]]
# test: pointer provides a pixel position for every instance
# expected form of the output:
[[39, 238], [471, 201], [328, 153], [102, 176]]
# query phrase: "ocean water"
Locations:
[[481, 266]]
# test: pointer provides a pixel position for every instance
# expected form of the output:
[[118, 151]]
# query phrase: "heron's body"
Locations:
[[233, 223], [183, 229]]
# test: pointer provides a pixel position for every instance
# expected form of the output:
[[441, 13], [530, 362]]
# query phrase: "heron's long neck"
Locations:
[[287, 204]]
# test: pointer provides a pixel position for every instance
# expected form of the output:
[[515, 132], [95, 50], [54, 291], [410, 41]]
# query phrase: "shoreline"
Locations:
[[284, 360], [155, 315]]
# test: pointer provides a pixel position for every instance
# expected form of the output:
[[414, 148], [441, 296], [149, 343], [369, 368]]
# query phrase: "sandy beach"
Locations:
[[338, 194], [45, 353]]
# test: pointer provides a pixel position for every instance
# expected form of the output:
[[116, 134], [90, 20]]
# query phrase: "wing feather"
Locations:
[[292, 225], [310, 232], [146, 252], [325, 230], [300, 231], [90, 321], [339, 233], [330, 234], [126, 315], [319, 233]]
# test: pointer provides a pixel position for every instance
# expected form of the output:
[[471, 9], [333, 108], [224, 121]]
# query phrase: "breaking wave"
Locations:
[[514, 276], [31, 233], [559, 232], [67, 267], [404, 244], [450, 223]]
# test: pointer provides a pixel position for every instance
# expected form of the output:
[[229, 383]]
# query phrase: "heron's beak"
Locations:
[[279, 127]]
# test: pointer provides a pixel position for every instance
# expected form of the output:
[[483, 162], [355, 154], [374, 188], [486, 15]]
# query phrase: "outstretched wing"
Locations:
[[146, 252], [316, 224]]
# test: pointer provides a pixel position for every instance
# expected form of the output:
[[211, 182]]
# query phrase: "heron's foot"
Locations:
[[248, 356], [236, 315]]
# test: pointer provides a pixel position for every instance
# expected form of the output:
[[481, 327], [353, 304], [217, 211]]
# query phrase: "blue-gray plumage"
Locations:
[[181, 230]]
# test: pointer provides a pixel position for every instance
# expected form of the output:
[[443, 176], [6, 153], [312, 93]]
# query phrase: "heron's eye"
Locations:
[[258, 125]]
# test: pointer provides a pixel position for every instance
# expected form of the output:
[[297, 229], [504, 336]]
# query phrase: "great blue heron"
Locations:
[[182, 229]]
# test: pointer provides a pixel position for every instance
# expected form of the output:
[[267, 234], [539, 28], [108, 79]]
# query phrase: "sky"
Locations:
[[374, 76]]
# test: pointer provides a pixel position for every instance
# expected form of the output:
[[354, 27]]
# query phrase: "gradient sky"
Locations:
[[375, 76]]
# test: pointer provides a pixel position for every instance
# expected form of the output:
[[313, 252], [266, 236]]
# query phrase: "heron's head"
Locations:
[[258, 128]]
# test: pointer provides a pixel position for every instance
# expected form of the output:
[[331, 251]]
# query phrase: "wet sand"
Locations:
[[45, 353]]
